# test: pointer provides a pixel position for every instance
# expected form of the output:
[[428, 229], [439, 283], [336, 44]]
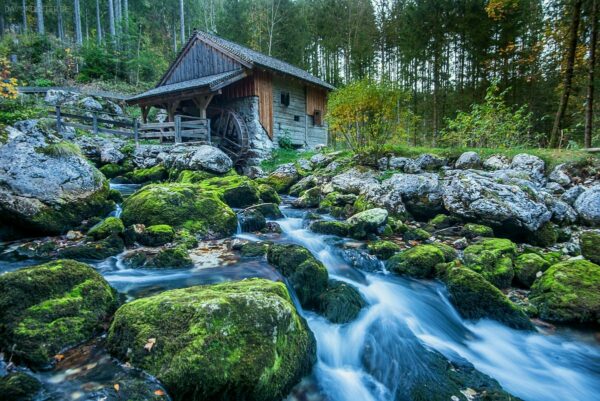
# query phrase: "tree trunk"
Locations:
[[77, 15], [60, 32], [182, 18], [111, 19], [568, 78], [126, 14], [98, 23], [39, 9], [436, 100], [589, 105], [24, 5]]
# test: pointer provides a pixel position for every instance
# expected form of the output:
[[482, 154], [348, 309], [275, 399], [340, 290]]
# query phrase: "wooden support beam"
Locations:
[[145, 111], [202, 102]]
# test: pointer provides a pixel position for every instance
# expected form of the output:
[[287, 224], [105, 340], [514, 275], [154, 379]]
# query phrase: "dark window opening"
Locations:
[[296, 118], [285, 98], [317, 118]]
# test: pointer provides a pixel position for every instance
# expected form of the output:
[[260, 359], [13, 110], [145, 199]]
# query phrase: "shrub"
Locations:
[[492, 124]]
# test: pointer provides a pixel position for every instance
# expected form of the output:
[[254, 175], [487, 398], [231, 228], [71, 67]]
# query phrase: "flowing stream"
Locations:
[[390, 346]]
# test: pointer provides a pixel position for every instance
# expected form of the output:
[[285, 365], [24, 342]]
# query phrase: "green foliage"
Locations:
[[491, 124], [285, 141], [60, 149], [15, 110], [367, 115]]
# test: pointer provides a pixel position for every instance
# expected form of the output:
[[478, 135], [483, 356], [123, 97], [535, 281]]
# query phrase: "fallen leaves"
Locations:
[[159, 392], [150, 344], [59, 357], [117, 387]]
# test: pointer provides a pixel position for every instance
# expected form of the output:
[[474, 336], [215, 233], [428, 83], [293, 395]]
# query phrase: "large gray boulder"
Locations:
[[483, 197], [46, 185], [468, 160], [209, 158], [57, 97], [89, 103], [421, 193], [425, 162], [496, 162], [559, 175], [532, 165], [587, 206], [354, 181], [371, 221]]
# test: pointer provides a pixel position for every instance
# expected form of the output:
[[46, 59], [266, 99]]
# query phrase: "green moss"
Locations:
[[493, 258], [115, 196], [309, 198], [113, 170], [589, 241], [449, 252], [475, 298], [52, 306], [527, 267], [370, 222], [415, 234], [186, 239], [418, 261], [546, 235], [237, 340], [151, 174], [306, 274], [330, 227], [268, 194], [193, 177], [95, 250], [107, 227], [236, 191], [443, 221], [471, 230], [175, 257], [383, 249], [341, 302], [269, 210], [254, 249], [157, 235], [568, 292], [19, 387], [361, 204], [181, 206]]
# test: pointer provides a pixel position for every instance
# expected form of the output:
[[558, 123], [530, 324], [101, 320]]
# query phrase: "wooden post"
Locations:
[[95, 123], [136, 132], [145, 110], [178, 129], [58, 121], [208, 134]]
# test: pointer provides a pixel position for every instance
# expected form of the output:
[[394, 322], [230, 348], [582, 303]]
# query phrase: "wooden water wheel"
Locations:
[[229, 132]]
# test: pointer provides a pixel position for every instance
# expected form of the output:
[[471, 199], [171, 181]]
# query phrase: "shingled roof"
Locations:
[[262, 60]]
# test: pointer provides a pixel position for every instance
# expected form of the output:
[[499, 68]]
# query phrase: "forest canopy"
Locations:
[[443, 54]]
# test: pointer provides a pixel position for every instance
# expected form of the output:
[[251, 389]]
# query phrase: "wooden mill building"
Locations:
[[248, 100]]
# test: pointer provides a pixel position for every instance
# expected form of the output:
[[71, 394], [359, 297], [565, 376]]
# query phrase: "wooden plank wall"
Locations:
[[283, 116], [316, 99], [199, 61], [258, 84]]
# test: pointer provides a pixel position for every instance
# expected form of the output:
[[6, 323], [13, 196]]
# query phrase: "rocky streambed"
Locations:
[[404, 279]]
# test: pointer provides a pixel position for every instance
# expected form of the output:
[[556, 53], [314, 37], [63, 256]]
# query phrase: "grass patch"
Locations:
[[283, 156], [60, 149]]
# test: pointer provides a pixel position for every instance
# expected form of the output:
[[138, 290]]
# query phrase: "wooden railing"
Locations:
[[184, 127]]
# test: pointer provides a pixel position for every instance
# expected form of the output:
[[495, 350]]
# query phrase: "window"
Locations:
[[317, 118], [296, 118], [285, 98]]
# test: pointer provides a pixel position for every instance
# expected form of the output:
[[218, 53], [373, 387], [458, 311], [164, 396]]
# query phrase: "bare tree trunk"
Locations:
[[111, 19], [273, 22], [24, 5], [126, 14], [77, 15], [59, 21], [568, 78], [436, 84], [39, 9], [98, 23], [182, 18], [589, 105]]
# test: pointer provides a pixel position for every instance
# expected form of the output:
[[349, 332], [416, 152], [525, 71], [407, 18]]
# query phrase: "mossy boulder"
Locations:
[[193, 176], [415, 234], [443, 221], [107, 227], [251, 220], [254, 249], [309, 198], [568, 292], [173, 257], [476, 298], [113, 170], [493, 258], [269, 210], [93, 250], [282, 178], [527, 268], [546, 235], [371, 221], [449, 253], [237, 191], [589, 241], [330, 227], [418, 261], [338, 204], [268, 194], [157, 235], [151, 174], [341, 302], [229, 341], [186, 206], [52, 306], [19, 386], [383, 249], [305, 273], [471, 230]]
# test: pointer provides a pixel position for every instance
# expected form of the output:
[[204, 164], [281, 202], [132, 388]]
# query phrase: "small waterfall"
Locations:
[[387, 348]]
